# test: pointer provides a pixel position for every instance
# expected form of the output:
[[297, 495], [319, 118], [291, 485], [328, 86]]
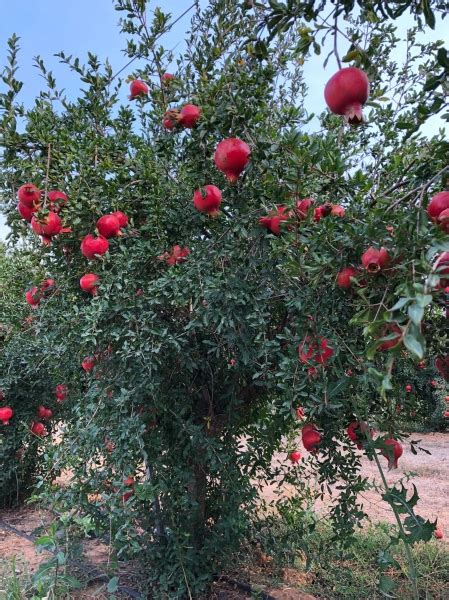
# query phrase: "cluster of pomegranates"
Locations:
[[34, 295], [32, 201], [108, 226], [356, 431], [43, 413]]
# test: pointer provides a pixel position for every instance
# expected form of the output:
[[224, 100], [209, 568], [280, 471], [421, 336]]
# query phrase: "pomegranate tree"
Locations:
[[209, 334]]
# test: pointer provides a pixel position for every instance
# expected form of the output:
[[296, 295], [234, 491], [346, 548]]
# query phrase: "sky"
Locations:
[[76, 26]]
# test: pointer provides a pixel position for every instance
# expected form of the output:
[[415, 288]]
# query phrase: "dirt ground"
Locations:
[[432, 481]]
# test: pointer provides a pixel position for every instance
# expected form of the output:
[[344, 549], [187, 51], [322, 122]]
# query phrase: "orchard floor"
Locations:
[[432, 481]]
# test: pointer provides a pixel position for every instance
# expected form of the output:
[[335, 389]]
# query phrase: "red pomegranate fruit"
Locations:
[[295, 457], [408, 388], [438, 533], [6, 414], [346, 92], [442, 366], [88, 363], [345, 276], [175, 256], [44, 413], [26, 212], [337, 210], [47, 226], [357, 432], [189, 116], [29, 195], [315, 351], [438, 204], [108, 226], [121, 217], [273, 220], [231, 157], [33, 297], [89, 282], [171, 118], [392, 453], [167, 77], [311, 438], [302, 207], [92, 247], [61, 392], [207, 200], [57, 200], [138, 88], [38, 429], [374, 260]]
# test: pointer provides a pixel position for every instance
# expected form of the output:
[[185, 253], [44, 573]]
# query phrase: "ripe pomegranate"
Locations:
[[129, 481], [408, 387], [273, 220], [108, 226], [442, 366], [44, 413], [446, 414], [344, 277], [311, 437], [167, 77], [346, 92], [438, 533], [47, 286], [434, 383], [92, 247], [47, 226], [357, 432], [446, 398], [89, 282], [38, 429], [438, 204], [138, 88], [337, 210], [189, 116], [57, 200], [443, 220], [29, 195], [374, 260], [207, 200], [299, 412], [392, 453], [302, 207], [26, 211], [294, 457], [391, 329], [127, 495], [88, 363], [33, 297], [421, 364], [171, 118], [175, 256], [61, 392], [121, 217], [310, 351], [231, 157], [322, 211], [6, 414]]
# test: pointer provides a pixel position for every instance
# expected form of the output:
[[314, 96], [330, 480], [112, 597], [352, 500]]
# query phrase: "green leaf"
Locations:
[[428, 13], [113, 585], [415, 313], [386, 585], [400, 304], [414, 342]]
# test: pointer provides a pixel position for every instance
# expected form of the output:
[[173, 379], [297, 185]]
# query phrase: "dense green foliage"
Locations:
[[197, 373]]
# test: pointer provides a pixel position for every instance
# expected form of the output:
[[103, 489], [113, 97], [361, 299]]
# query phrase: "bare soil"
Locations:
[[432, 481]]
